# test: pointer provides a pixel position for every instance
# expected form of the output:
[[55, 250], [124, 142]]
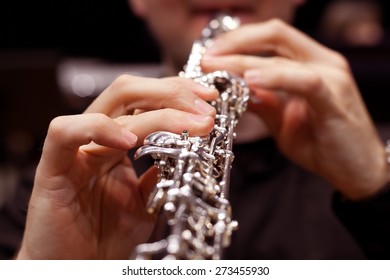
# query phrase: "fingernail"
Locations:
[[206, 89], [203, 107], [253, 77], [207, 58], [198, 118], [131, 138], [214, 48]]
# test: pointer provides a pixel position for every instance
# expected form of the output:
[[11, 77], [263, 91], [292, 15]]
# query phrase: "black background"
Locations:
[[103, 28]]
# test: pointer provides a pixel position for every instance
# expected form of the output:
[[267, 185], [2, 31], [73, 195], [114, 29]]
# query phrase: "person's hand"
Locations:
[[87, 202], [309, 101]]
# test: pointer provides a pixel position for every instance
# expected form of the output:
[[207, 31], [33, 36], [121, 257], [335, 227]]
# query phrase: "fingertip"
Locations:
[[199, 118], [254, 77], [200, 124], [131, 138], [216, 47], [204, 108], [206, 92]]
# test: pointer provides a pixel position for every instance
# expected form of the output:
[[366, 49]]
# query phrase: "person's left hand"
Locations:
[[87, 201]]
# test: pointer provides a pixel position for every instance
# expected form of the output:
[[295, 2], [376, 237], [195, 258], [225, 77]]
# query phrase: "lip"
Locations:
[[220, 5], [206, 8]]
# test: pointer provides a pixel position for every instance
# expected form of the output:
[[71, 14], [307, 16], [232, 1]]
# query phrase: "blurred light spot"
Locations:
[[83, 85]]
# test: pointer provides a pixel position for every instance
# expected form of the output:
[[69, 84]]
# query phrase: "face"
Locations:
[[177, 23]]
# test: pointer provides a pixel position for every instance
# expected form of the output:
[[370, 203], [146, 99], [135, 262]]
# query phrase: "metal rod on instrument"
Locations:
[[193, 186]]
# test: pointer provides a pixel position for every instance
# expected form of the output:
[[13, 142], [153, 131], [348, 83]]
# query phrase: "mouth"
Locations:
[[210, 8]]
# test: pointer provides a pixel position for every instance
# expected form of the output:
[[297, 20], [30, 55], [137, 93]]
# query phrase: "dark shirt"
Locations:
[[13, 218], [283, 211]]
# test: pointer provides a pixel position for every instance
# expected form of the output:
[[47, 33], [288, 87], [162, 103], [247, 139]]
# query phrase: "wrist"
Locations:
[[377, 179], [23, 255]]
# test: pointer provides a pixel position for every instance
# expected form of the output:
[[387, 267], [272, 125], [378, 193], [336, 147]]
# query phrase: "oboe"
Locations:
[[194, 172]]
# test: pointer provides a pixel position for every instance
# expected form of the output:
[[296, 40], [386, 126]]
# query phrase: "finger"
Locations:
[[295, 80], [67, 133], [234, 64], [144, 123], [272, 37], [128, 93], [166, 120], [275, 74]]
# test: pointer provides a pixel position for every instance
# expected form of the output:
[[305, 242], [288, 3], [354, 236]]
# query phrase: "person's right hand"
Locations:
[[309, 101]]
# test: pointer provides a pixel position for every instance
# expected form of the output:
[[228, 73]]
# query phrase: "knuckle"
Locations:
[[121, 81], [57, 126], [178, 121], [99, 121], [344, 83], [277, 25], [173, 118], [175, 89], [278, 61], [341, 61], [313, 82]]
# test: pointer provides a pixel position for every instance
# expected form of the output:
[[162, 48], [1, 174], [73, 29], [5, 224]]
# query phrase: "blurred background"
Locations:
[[56, 56]]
